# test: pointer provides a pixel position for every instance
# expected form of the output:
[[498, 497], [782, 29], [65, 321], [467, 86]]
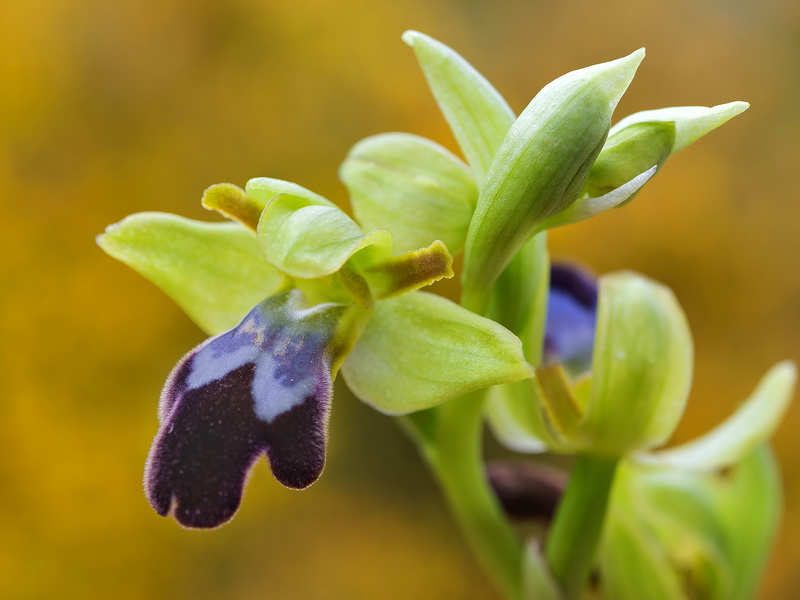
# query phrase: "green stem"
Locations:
[[578, 525], [450, 439]]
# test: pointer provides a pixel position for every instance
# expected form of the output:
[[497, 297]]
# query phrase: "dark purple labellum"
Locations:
[[263, 387], [526, 490], [571, 318]]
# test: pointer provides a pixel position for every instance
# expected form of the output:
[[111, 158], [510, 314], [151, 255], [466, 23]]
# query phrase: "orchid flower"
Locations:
[[292, 292]]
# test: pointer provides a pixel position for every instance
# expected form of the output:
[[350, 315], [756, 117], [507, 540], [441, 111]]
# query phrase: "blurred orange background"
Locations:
[[108, 108]]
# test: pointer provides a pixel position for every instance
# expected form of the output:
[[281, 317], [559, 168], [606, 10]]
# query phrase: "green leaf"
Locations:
[[478, 115], [419, 350], [541, 167], [214, 271], [413, 187], [750, 426], [641, 366], [691, 122], [311, 240], [264, 189]]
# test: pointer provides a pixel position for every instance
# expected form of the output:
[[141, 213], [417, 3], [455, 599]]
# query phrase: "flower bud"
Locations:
[[628, 153], [541, 166]]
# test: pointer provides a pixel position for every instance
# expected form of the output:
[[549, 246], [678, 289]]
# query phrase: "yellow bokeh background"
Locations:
[[108, 108]]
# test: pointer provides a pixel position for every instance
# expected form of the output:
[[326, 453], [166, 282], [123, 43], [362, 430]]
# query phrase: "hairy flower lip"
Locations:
[[262, 388]]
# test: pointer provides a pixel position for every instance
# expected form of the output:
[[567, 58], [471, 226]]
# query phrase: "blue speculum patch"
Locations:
[[571, 318], [263, 387]]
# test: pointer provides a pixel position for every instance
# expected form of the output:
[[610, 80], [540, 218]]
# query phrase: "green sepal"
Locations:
[[419, 350], [214, 271], [641, 366], [541, 167], [751, 425], [586, 207], [476, 112], [309, 241], [413, 187], [264, 189], [233, 202], [630, 152], [410, 271], [691, 122]]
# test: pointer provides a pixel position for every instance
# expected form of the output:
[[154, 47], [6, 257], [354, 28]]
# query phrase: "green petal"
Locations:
[[410, 271], [691, 122], [419, 350], [264, 189], [214, 271], [478, 115], [541, 167], [750, 426], [311, 240], [232, 202], [641, 367], [413, 187]]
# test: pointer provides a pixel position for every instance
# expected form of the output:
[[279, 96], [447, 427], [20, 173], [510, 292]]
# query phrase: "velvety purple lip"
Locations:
[[262, 388]]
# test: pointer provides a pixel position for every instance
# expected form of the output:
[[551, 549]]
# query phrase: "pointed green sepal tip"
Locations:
[[476, 112], [542, 165], [214, 271], [753, 423], [691, 122], [410, 271], [641, 366], [233, 202]]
